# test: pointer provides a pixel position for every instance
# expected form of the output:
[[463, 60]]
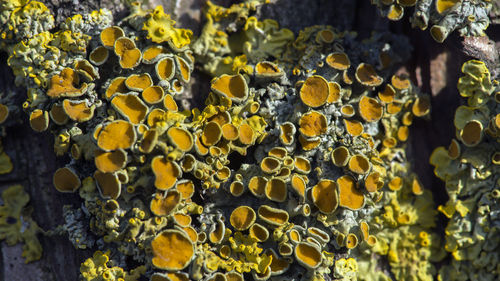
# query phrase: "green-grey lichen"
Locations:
[[16, 224], [470, 169], [469, 18]]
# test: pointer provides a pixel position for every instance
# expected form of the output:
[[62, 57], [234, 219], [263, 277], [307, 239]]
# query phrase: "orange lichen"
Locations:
[[66, 180], [325, 197], [110, 34], [58, 115], [78, 110], [99, 55], [287, 131], [181, 138], [172, 250], [233, 87], [115, 135], [63, 84], [359, 164], [421, 107], [259, 232], [347, 110], [108, 183], [353, 127], [387, 95], [211, 134], [110, 162], [270, 165], [400, 82], [163, 205], [338, 60], [272, 216], [276, 190], [166, 172], [170, 104], [39, 120], [126, 50], [395, 184], [367, 76], [349, 196], [472, 133], [299, 185], [117, 85], [334, 92], [308, 255], [165, 68], [314, 92], [312, 124], [454, 149], [373, 182], [246, 134], [186, 188], [242, 218], [370, 109], [153, 94], [351, 241], [302, 165]]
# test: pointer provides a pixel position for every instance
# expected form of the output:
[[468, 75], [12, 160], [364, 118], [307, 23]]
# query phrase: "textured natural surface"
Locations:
[[434, 68]]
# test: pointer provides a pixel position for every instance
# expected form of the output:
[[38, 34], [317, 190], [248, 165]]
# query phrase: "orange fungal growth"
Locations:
[[270, 165], [416, 186], [367, 76], [117, 85], [421, 107], [400, 82], [276, 190], [170, 104], [302, 165], [257, 186], [307, 255], [395, 184], [246, 134], [172, 250], [259, 232], [39, 120], [149, 141], [211, 134], [242, 218], [166, 172], [351, 241], [110, 162], [370, 109], [287, 132], [99, 55], [454, 149], [272, 216], [338, 60], [265, 69], [184, 69], [237, 188], [110, 34], [4, 113], [63, 84], [58, 115], [394, 107], [353, 127], [108, 183], [138, 82], [217, 232], [278, 152], [373, 182], [181, 138], [165, 68], [115, 135], [278, 265], [164, 205], [312, 124], [78, 110], [387, 95], [152, 53], [309, 144], [233, 87], [153, 94], [314, 92], [359, 164], [472, 133], [334, 92], [403, 133], [230, 132], [325, 197], [126, 50], [298, 185], [347, 110], [186, 188], [66, 180], [349, 196]]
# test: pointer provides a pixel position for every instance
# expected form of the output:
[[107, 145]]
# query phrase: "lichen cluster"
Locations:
[[470, 167], [295, 168], [469, 18]]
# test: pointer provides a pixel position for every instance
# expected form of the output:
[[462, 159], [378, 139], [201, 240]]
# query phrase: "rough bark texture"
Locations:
[[434, 67]]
